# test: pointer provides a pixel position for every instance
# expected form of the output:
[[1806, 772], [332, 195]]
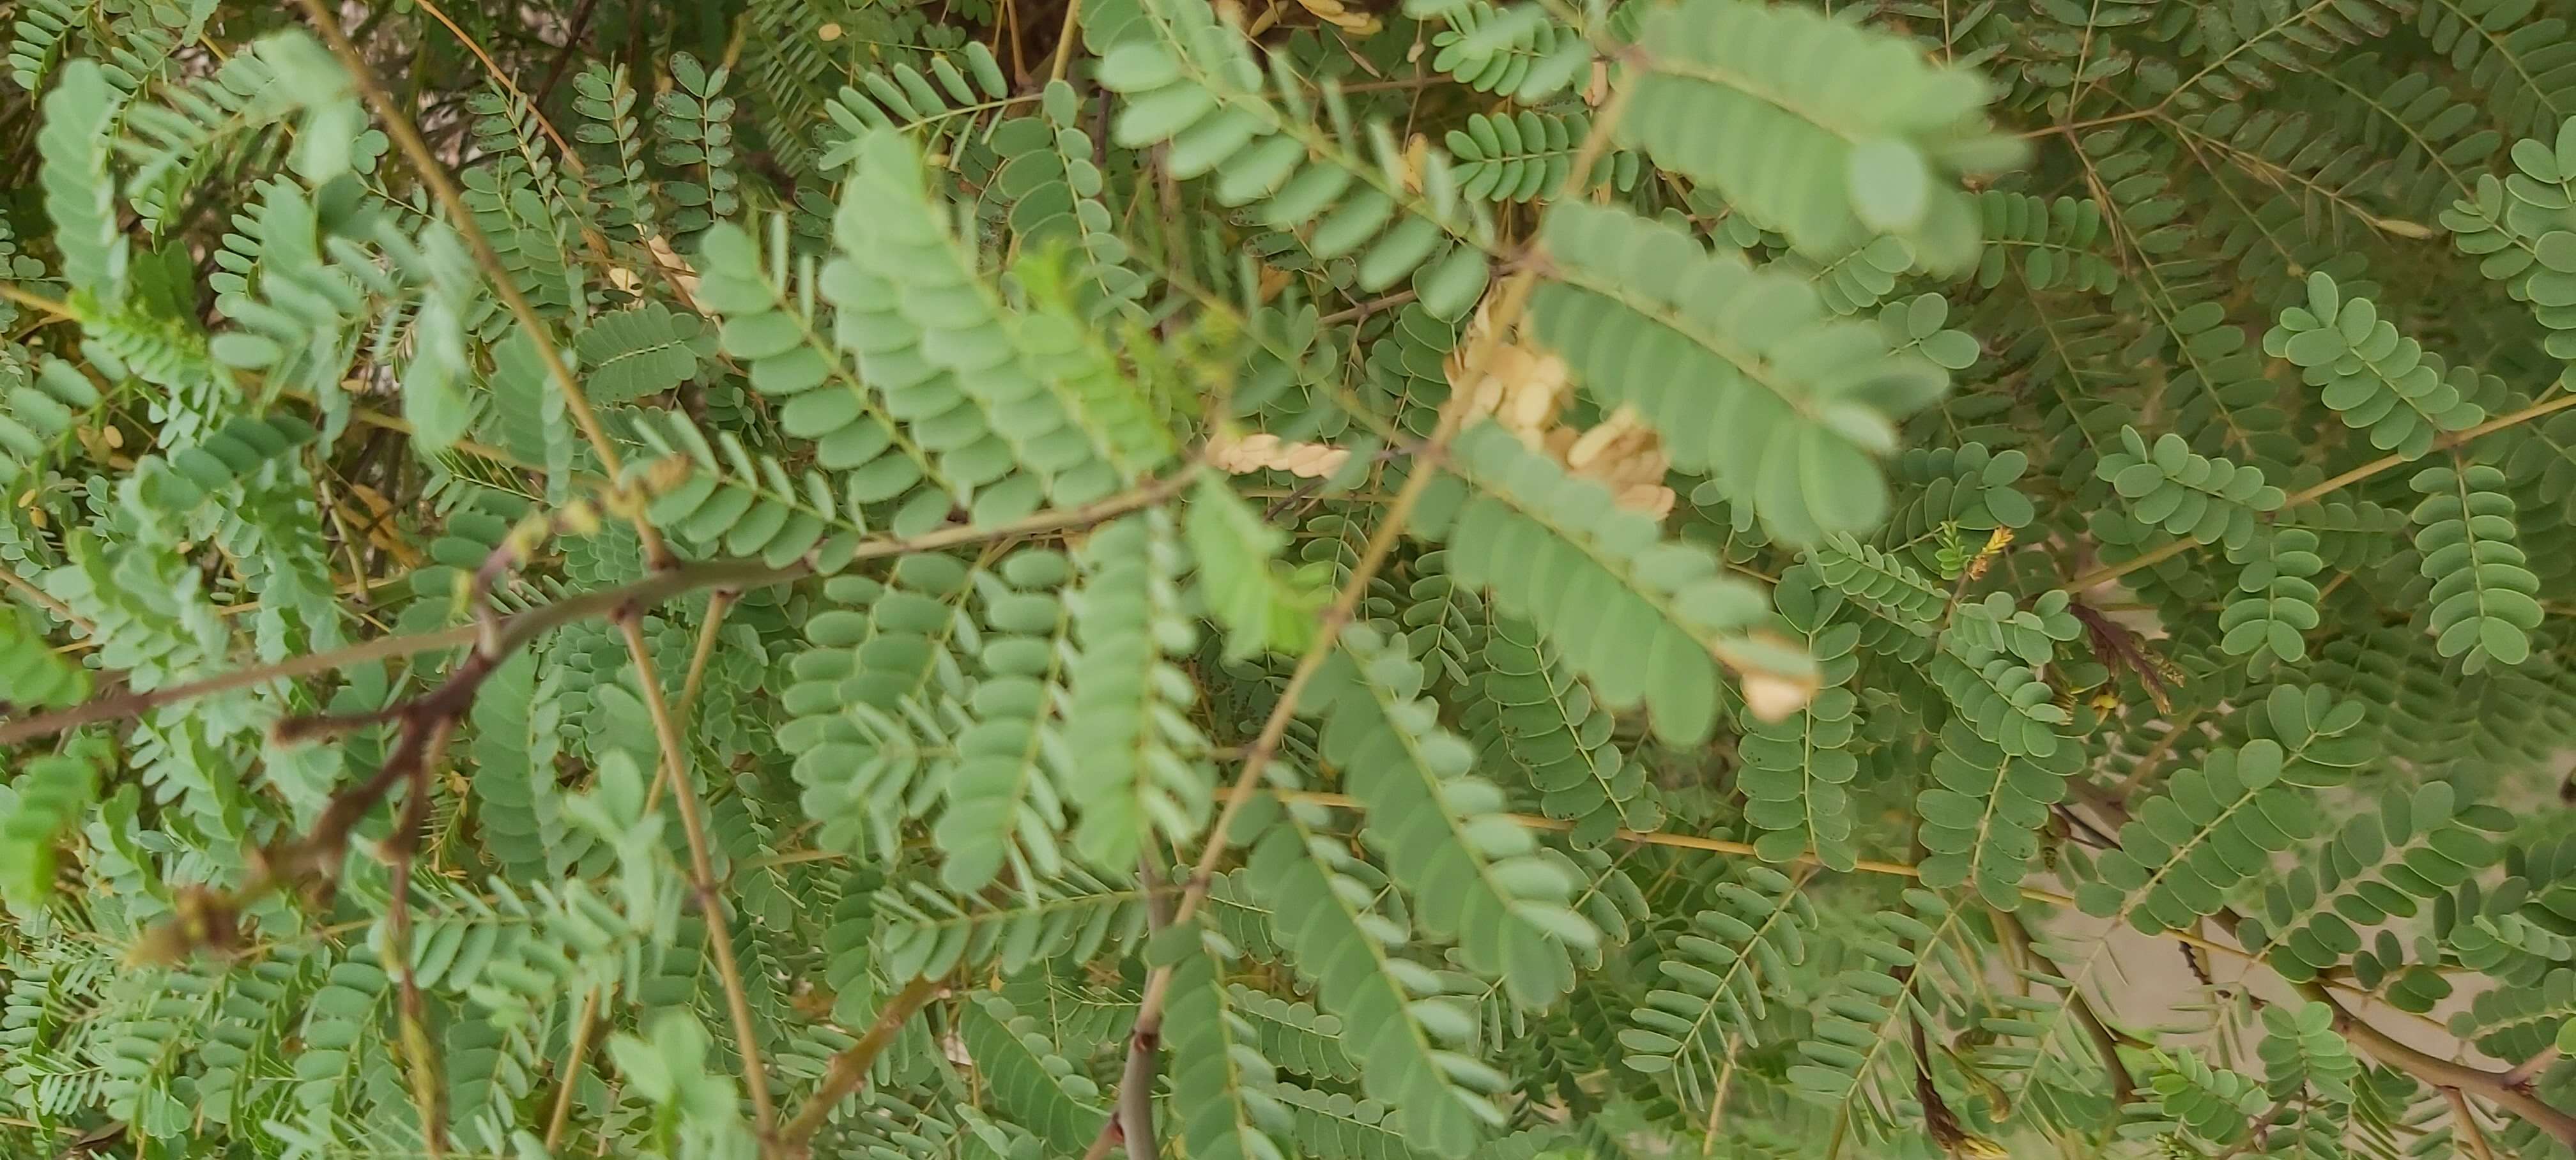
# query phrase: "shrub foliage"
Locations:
[[1050, 578]]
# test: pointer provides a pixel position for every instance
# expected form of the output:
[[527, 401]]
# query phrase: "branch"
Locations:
[[1338, 801], [573, 1056], [2468, 1122], [1135, 1114], [515, 630], [573, 31], [53, 308], [27, 588], [648, 592], [419, 1052], [702, 875], [2444, 1074], [310, 862], [718, 604], [850, 1065]]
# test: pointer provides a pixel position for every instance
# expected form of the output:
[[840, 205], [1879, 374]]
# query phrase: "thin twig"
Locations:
[[1135, 1114], [1657, 838], [573, 1057], [2529, 1070], [572, 41], [61, 312], [850, 1066], [526, 625], [2109, 572], [1587, 155], [2145, 767], [1863, 865], [1069, 36], [492, 68], [28, 589], [428, 1091], [1717, 1099], [1367, 308], [401, 426], [717, 604], [702, 875]]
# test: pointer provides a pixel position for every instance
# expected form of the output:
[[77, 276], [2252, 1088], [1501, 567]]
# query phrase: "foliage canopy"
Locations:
[[1030, 579]]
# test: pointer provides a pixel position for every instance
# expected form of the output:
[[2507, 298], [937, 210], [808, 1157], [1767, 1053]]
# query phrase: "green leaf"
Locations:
[[47, 797], [1723, 360], [639, 352], [79, 191], [1029, 1081], [1658, 616], [1891, 188], [1262, 604], [1474, 878], [1833, 107]]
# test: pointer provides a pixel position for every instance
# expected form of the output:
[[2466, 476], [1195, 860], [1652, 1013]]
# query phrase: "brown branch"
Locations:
[[648, 592], [210, 918], [702, 875], [309, 863], [501, 79], [515, 630], [1367, 308], [419, 1051], [850, 1066], [2445, 1074], [718, 603], [572, 42], [1135, 1112]]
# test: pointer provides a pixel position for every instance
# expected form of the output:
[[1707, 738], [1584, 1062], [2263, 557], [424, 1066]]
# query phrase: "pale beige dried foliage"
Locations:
[[1342, 16], [1494, 375], [1417, 156], [1519, 386], [1266, 452], [1623, 453], [682, 276], [1772, 696], [1524, 389]]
